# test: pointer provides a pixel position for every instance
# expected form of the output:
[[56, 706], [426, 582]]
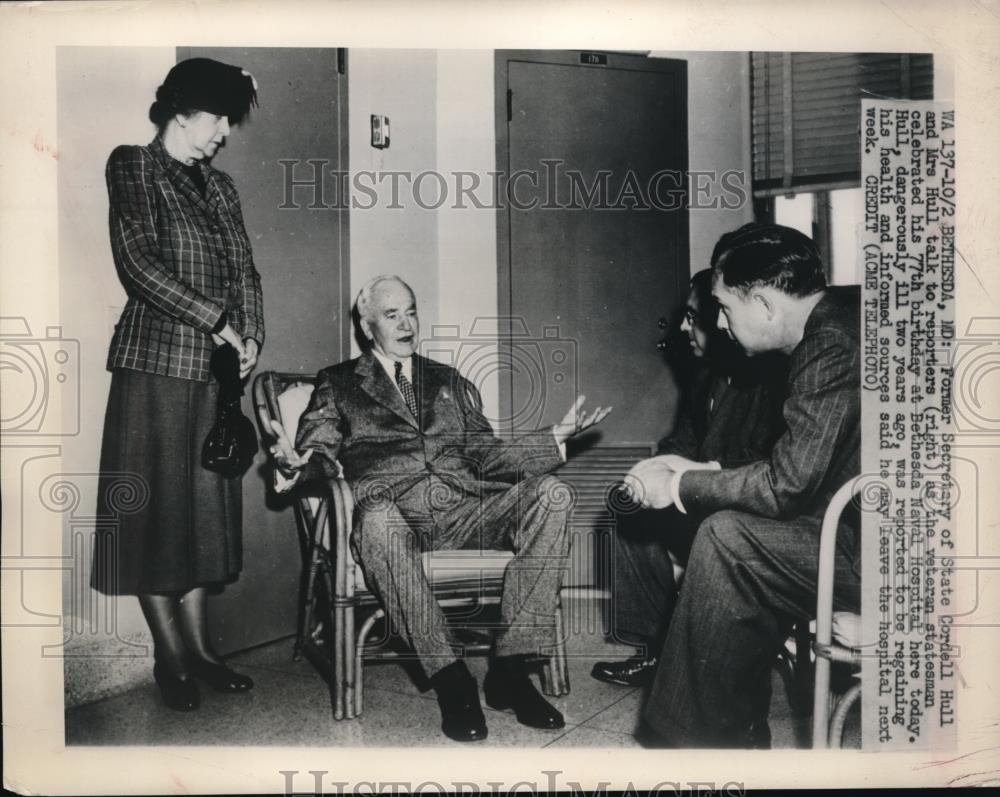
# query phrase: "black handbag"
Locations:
[[231, 444]]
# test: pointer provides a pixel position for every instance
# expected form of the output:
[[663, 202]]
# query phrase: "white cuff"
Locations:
[[675, 491], [675, 482], [283, 484], [561, 446]]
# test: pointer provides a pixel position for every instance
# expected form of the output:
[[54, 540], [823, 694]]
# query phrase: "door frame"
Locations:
[[631, 62]]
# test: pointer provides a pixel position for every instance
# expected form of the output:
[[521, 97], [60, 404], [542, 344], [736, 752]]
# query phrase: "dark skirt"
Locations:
[[164, 524]]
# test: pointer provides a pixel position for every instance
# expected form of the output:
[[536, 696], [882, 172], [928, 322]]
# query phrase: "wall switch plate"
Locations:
[[380, 131]]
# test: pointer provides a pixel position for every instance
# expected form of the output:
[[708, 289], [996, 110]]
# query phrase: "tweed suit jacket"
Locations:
[[820, 447], [184, 259], [356, 416]]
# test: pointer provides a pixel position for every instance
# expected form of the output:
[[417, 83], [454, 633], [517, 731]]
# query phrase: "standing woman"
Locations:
[[184, 258]]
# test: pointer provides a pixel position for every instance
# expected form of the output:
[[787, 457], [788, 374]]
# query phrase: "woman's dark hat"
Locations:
[[201, 84]]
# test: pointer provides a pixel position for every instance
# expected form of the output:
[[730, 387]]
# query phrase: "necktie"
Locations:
[[406, 389], [718, 390]]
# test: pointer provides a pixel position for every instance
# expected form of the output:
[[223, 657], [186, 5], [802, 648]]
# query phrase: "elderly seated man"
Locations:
[[402, 426]]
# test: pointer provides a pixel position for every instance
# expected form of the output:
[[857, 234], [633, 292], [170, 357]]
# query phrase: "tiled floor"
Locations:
[[290, 706]]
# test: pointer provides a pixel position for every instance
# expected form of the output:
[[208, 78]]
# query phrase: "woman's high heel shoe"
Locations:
[[180, 694], [220, 677]]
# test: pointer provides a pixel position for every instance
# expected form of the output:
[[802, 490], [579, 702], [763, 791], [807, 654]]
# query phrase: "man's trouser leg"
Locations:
[[388, 548], [748, 579], [644, 591], [531, 519]]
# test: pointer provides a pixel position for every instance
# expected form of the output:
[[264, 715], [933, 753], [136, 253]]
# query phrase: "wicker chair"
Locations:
[[333, 593]]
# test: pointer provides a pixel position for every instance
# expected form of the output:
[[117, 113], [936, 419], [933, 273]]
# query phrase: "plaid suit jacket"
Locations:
[[821, 446], [184, 259]]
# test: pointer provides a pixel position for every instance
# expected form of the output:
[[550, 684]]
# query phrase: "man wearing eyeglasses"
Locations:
[[731, 415], [752, 570]]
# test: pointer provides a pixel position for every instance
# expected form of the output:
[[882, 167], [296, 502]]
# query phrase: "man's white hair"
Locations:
[[365, 295]]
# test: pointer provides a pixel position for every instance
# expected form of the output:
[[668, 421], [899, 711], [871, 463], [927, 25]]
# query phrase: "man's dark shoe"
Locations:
[[634, 671], [458, 697], [507, 686]]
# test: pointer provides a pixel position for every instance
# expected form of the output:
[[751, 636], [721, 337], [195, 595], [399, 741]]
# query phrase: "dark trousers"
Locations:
[[748, 579], [644, 591], [529, 518]]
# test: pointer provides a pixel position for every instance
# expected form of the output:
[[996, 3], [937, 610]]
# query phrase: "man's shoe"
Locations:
[[634, 671], [180, 694], [510, 688], [458, 697], [220, 677]]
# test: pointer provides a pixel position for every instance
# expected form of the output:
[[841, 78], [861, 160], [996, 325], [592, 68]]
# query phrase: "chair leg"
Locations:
[[562, 662], [842, 706], [359, 651], [352, 673], [341, 697], [549, 676], [821, 704], [338, 687], [307, 603], [555, 671]]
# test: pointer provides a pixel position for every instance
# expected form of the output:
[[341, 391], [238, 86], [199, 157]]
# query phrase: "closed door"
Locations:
[[593, 249], [595, 231]]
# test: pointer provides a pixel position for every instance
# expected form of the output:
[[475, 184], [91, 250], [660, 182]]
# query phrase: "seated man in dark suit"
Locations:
[[731, 414], [752, 569], [428, 473]]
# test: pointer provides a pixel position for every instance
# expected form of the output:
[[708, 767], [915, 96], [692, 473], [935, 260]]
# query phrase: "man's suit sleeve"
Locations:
[[528, 455], [821, 409], [320, 431]]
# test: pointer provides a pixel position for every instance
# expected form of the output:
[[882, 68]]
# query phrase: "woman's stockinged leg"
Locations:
[[170, 669], [205, 662], [193, 613], [161, 613]]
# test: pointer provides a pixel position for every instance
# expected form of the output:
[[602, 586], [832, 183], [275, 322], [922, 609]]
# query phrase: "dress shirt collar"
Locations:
[[389, 365]]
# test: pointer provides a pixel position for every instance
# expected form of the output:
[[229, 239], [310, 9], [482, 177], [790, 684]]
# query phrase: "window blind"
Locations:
[[806, 113]]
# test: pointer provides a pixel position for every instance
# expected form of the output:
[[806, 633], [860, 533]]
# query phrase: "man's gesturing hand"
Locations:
[[285, 456], [576, 420]]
